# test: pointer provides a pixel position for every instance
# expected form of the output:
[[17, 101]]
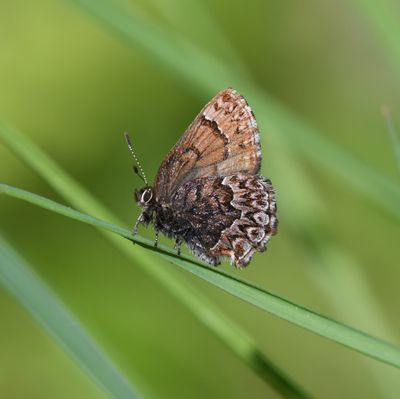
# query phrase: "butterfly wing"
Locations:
[[223, 140], [231, 216]]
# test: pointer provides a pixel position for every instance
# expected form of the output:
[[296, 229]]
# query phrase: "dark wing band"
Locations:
[[223, 140]]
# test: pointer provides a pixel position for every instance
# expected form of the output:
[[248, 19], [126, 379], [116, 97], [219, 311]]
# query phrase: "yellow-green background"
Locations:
[[74, 87]]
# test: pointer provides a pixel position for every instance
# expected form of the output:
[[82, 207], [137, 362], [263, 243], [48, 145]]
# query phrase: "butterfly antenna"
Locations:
[[138, 167]]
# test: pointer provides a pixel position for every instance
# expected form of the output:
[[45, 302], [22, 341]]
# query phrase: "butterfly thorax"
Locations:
[[168, 217]]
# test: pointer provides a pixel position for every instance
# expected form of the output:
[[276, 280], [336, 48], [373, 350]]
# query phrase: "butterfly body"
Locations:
[[208, 192]]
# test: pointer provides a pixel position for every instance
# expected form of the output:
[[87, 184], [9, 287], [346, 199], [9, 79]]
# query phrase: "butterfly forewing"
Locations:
[[223, 140]]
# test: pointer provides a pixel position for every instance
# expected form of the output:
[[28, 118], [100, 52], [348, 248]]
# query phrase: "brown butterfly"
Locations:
[[208, 192]]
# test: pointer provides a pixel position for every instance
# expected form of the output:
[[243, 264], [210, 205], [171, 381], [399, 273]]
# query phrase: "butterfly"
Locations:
[[208, 192]]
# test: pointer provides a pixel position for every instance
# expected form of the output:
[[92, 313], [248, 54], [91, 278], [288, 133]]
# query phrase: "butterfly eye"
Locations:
[[146, 196]]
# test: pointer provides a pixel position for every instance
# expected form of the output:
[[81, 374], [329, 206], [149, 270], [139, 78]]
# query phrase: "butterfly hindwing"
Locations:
[[232, 216]]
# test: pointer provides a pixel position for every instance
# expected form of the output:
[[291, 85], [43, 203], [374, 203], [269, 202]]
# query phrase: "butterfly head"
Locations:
[[145, 196]]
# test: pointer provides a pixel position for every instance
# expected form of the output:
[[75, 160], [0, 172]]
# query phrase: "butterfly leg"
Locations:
[[177, 246], [156, 238], [139, 220]]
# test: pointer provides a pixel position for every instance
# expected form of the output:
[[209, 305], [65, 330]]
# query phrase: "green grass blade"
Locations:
[[208, 75], [216, 321], [246, 291], [42, 304], [357, 304]]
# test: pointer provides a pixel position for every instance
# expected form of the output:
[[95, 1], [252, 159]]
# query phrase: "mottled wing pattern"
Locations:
[[232, 216], [222, 140], [254, 198], [203, 208]]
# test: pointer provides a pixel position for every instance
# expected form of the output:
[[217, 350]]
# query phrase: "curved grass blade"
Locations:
[[44, 306], [216, 321], [267, 301]]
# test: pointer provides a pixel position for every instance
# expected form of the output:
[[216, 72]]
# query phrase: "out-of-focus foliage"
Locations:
[[74, 87]]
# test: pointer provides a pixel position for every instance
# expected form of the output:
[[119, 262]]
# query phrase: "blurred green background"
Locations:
[[74, 87]]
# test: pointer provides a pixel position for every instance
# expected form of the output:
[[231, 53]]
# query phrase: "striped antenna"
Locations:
[[138, 167]]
